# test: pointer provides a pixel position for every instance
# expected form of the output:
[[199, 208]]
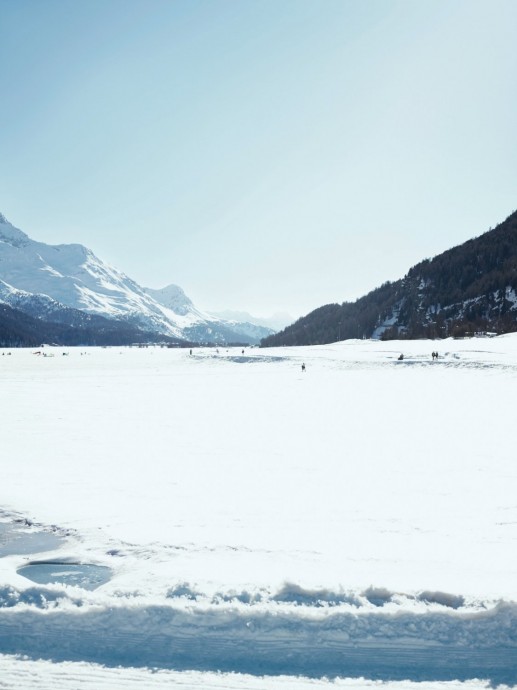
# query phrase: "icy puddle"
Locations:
[[16, 540], [82, 575]]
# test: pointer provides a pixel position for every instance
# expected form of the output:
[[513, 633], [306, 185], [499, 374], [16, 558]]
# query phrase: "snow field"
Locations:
[[356, 519]]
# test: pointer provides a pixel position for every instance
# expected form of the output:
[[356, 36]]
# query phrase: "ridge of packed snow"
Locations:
[[237, 637]]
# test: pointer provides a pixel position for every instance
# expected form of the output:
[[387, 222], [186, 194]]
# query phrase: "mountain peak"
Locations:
[[172, 297], [10, 234]]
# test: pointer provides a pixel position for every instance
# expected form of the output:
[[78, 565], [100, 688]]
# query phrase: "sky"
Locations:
[[265, 155]]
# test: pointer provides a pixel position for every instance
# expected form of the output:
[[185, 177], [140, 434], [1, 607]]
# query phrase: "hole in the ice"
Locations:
[[84, 575], [15, 541]]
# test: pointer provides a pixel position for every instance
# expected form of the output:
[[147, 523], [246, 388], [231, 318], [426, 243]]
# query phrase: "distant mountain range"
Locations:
[[471, 288], [275, 322], [92, 302]]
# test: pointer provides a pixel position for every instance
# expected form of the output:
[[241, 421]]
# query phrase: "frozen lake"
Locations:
[[355, 519]]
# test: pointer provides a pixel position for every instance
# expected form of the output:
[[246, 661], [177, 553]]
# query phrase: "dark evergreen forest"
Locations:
[[18, 329], [467, 289]]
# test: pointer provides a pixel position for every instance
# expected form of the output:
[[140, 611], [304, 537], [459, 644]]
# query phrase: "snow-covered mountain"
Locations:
[[241, 329], [42, 279], [173, 297]]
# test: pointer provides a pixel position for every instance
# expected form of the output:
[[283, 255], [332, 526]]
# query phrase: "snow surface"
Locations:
[[44, 675], [355, 520]]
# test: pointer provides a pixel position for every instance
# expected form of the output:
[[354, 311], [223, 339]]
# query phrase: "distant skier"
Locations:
[[401, 357], [303, 366]]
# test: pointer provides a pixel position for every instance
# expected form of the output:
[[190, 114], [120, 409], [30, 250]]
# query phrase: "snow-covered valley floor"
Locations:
[[256, 526]]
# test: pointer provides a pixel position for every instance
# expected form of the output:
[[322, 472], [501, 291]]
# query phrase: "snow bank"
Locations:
[[430, 642]]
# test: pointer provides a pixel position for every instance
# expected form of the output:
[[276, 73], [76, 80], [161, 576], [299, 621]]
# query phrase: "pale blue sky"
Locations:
[[263, 154]]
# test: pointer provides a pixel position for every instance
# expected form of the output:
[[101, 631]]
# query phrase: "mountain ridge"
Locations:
[[75, 278], [275, 322]]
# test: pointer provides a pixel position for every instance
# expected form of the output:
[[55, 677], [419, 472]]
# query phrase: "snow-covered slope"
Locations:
[[71, 275], [174, 298]]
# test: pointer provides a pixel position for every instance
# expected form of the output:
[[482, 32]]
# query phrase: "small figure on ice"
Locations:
[[303, 366], [401, 357]]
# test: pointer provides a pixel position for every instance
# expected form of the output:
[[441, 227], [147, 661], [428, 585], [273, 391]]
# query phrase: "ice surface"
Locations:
[[357, 519], [14, 539], [82, 575]]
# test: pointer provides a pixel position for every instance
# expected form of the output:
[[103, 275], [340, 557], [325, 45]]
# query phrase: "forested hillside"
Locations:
[[18, 329], [469, 288]]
